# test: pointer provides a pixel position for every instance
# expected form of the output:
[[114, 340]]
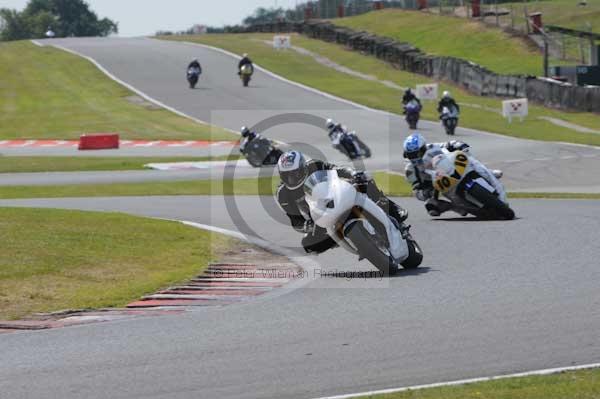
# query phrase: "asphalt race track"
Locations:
[[157, 68], [508, 297], [491, 297]]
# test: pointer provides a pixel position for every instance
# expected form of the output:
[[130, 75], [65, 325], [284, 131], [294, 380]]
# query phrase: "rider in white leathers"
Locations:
[[420, 156]]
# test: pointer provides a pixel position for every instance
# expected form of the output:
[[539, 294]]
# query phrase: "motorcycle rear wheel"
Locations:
[[367, 248], [493, 207]]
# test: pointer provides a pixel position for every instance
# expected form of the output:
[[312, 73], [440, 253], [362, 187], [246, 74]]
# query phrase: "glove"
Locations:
[[361, 177]]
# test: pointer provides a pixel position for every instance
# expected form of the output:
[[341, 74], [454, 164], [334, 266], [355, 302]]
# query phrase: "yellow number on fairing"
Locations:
[[460, 163]]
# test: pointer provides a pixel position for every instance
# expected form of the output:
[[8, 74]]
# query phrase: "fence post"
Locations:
[[476, 8]]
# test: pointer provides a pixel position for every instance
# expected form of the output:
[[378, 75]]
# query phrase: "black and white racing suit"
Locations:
[[338, 135], [294, 205], [246, 140]]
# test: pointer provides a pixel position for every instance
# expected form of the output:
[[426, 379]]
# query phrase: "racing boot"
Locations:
[[497, 173], [437, 207], [392, 209]]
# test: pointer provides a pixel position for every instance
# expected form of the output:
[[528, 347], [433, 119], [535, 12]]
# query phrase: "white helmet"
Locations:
[[446, 94], [245, 55], [292, 169], [330, 123]]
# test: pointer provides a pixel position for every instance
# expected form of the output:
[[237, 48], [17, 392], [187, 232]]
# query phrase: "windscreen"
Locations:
[[319, 176]]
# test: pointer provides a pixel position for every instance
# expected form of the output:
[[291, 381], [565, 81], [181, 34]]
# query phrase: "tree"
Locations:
[[65, 17], [264, 15]]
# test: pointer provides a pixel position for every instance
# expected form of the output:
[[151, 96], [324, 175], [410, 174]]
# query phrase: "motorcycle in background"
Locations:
[[260, 151], [246, 74], [193, 75], [413, 112], [449, 119], [349, 144]]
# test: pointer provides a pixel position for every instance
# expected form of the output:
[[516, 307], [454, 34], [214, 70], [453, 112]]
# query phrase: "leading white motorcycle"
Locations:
[[357, 224], [469, 185]]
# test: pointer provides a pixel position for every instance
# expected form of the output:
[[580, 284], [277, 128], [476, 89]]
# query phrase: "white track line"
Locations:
[[135, 90], [467, 381]]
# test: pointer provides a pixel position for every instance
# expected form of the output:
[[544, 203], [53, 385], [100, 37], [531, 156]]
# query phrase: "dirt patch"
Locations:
[[137, 100]]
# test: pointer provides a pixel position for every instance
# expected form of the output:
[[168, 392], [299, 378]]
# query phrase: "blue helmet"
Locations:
[[414, 147]]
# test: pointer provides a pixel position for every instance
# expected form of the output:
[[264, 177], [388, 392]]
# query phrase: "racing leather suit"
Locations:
[[406, 98], [247, 140], [337, 135], [244, 61], [316, 238], [195, 65], [447, 102]]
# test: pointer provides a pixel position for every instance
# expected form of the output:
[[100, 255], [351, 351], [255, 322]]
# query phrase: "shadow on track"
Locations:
[[471, 219], [376, 274]]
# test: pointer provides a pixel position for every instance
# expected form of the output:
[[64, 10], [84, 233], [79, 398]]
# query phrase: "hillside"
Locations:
[[451, 36]]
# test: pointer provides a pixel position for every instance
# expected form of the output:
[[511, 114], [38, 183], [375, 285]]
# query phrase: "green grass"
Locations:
[[72, 164], [304, 69], [564, 13], [392, 184], [261, 186], [449, 36], [46, 93], [584, 384], [53, 259]]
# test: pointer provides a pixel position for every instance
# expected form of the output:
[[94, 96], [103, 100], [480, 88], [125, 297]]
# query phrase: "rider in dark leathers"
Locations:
[[194, 64], [448, 102], [244, 61], [410, 96], [294, 169], [247, 136]]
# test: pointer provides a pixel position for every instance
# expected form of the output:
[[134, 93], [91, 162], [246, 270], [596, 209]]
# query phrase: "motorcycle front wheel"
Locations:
[[368, 248], [415, 255]]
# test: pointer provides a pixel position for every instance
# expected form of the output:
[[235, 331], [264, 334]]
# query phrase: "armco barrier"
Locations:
[[98, 141], [474, 78]]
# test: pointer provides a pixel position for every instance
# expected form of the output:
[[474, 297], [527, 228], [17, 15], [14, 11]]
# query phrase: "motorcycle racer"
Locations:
[[294, 169], [420, 154]]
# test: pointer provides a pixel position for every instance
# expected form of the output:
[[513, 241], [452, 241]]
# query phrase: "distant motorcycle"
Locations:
[[349, 144], [246, 74], [449, 119], [413, 112], [260, 151], [193, 75], [461, 178]]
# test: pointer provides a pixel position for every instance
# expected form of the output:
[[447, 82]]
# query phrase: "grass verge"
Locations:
[[392, 184], [78, 164], [483, 113], [54, 259], [449, 36], [582, 384], [50, 94]]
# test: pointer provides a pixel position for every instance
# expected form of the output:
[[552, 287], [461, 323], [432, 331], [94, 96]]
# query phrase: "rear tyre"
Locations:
[[415, 255], [493, 207], [367, 248], [366, 150]]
